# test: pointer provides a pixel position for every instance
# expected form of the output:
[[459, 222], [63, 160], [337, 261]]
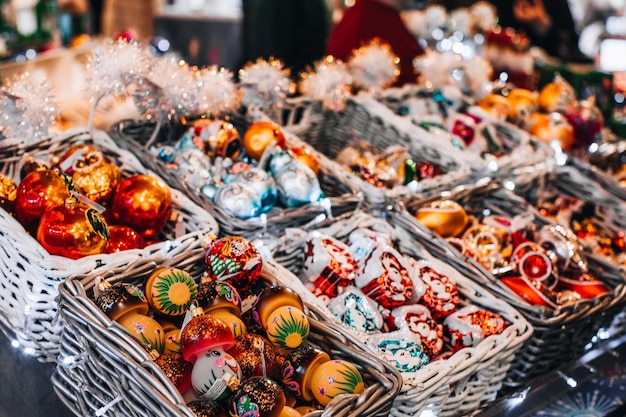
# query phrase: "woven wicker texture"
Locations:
[[468, 379], [515, 146], [104, 370], [559, 335], [366, 120], [606, 164], [30, 275], [341, 195]]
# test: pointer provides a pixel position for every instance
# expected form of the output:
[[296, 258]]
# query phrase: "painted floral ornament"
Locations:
[[441, 296], [142, 202], [222, 300], [170, 291], [215, 374], [328, 265], [95, 177], [417, 319], [145, 329], [119, 299], [402, 349], [73, 230], [356, 310], [298, 367], [203, 333], [256, 356], [280, 311], [445, 217], [470, 325], [234, 259], [333, 378], [258, 396], [386, 277]]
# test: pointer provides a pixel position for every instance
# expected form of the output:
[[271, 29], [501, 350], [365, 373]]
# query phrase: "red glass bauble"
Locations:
[[123, 238], [142, 202]]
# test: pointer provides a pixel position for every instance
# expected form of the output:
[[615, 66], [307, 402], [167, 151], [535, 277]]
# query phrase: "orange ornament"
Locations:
[[260, 135], [123, 238], [550, 127], [305, 156]]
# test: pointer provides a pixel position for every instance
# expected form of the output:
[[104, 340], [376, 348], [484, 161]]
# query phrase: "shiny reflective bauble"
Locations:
[[262, 183], [239, 200], [297, 185], [235, 259], [258, 396], [170, 291], [552, 127], [123, 238], [305, 156], [73, 230], [218, 138], [445, 217], [203, 333], [142, 202], [260, 135], [522, 103], [334, 378], [496, 105], [556, 96]]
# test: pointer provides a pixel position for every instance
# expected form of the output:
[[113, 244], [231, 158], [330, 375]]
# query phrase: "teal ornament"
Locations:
[[261, 182], [238, 200], [279, 161], [401, 348], [297, 185]]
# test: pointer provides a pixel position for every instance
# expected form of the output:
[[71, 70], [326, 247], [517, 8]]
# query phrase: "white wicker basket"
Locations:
[[468, 379], [30, 275]]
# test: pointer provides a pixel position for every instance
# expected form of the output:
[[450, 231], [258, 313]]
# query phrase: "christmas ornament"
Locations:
[[222, 300], [261, 135], [176, 369], [239, 200], [94, 176], [202, 334], [142, 202], [216, 91], [522, 104], [29, 164], [256, 356], [261, 183], [385, 278], [444, 217], [297, 185], [556, 96], [73, 230], [215, 374], [441, 295], [170, 291], [305, 156], [552, 127], [362, 242], [280, 311], [328, 265], [258, 396], [470, 325], [586, 120], [8, 193], [216, 138], [265, 83], [417, 319], [236, 324], [333, 378], [39, 192], [145, 329], [329, 82], [123, 238], [356, 310], [298, 368], [27, 107], [496, 105], [172, 340], [374, 66], [234, 259], [207, 408], [402, 349], [119, 299]]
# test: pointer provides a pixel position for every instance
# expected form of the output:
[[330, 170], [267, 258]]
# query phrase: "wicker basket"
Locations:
[[30, 275], [366, 120], [104, 371], [469, 378], [341, 195], [560, 335], [606, 164]]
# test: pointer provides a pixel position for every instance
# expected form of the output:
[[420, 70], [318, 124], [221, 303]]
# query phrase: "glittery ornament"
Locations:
[[256, 356], [445, 217], [145, 329], [170, 291], [260, 135], [142, 202], [402, 349], [166, 91], [123, 238], [441, 295], [234, 259], [356, 310], [218, 295], [215, 374], [28, 107], [334, 378], [417, 319], [119, 299], [176, 369], [385, 278], [470, 325], [207, 408], [216, 91], [329, 82], [374, 66], [8, 192], [328, 265], [258, 396], [203, 333], [73, 230], [94, 176], [280, 311], [298, 367], [265, 83]]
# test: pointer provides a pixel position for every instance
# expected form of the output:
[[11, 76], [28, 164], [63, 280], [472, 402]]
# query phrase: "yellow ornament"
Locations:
[[445, 217], [334, 378], [170, 291]]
